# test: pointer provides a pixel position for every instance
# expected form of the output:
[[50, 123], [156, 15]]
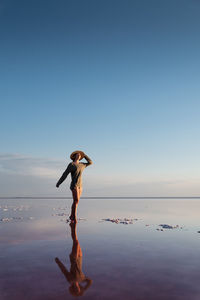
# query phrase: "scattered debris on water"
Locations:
[[166, 226], [69, 220], [14, 208], [7, 211], [125, 221], [16, 219], [5, 219], [60, 208], [60, 214]]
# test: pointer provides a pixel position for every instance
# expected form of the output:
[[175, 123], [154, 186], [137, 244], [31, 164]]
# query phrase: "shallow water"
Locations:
[[121, 261]]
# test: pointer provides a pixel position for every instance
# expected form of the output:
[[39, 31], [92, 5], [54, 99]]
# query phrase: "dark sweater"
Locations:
[[76, 170]]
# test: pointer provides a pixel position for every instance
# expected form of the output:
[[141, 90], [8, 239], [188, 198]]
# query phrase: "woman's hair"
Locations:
[[74, 156]]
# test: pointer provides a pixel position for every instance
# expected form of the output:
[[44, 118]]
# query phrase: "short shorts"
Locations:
[[75, 187]]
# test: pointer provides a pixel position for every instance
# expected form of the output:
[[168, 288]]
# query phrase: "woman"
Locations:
[[75, 168]]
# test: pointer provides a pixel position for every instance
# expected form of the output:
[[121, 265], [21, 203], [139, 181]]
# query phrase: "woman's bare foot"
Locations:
[[73, 219], [73, 222]]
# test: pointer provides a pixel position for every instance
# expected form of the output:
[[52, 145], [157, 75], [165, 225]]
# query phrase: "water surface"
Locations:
[[123, 261]]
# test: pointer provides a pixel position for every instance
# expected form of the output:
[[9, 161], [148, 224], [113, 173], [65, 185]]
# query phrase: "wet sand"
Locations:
[[129, 249]]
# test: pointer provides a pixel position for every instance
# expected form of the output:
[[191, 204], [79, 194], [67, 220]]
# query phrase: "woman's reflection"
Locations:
[[75, 277]]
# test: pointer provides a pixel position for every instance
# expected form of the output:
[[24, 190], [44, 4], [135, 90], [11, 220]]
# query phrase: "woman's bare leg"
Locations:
[[75, 194], [80, 192]]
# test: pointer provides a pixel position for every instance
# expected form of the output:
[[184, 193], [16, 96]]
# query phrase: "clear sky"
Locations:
[[116, 79]]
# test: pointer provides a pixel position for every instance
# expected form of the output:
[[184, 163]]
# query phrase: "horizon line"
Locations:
[[102, 197]]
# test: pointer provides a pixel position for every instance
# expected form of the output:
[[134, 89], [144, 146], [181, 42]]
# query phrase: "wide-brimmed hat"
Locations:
[[75, 152]]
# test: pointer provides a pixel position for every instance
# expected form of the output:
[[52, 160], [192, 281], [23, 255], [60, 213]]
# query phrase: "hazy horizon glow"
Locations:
[[116, 79]]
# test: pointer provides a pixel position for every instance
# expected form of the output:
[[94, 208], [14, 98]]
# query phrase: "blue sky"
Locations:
[[116, 79]]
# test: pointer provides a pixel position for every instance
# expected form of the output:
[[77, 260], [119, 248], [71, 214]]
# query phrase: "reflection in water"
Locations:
[[75, 277]]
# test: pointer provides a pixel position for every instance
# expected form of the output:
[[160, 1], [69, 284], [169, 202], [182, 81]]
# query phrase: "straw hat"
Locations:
[[77, 151]]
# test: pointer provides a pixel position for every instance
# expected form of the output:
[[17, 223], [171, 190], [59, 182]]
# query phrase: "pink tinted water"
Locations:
[[124, 261]]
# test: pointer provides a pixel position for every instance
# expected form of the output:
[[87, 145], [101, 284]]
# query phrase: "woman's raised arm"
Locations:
[[89, 161]]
